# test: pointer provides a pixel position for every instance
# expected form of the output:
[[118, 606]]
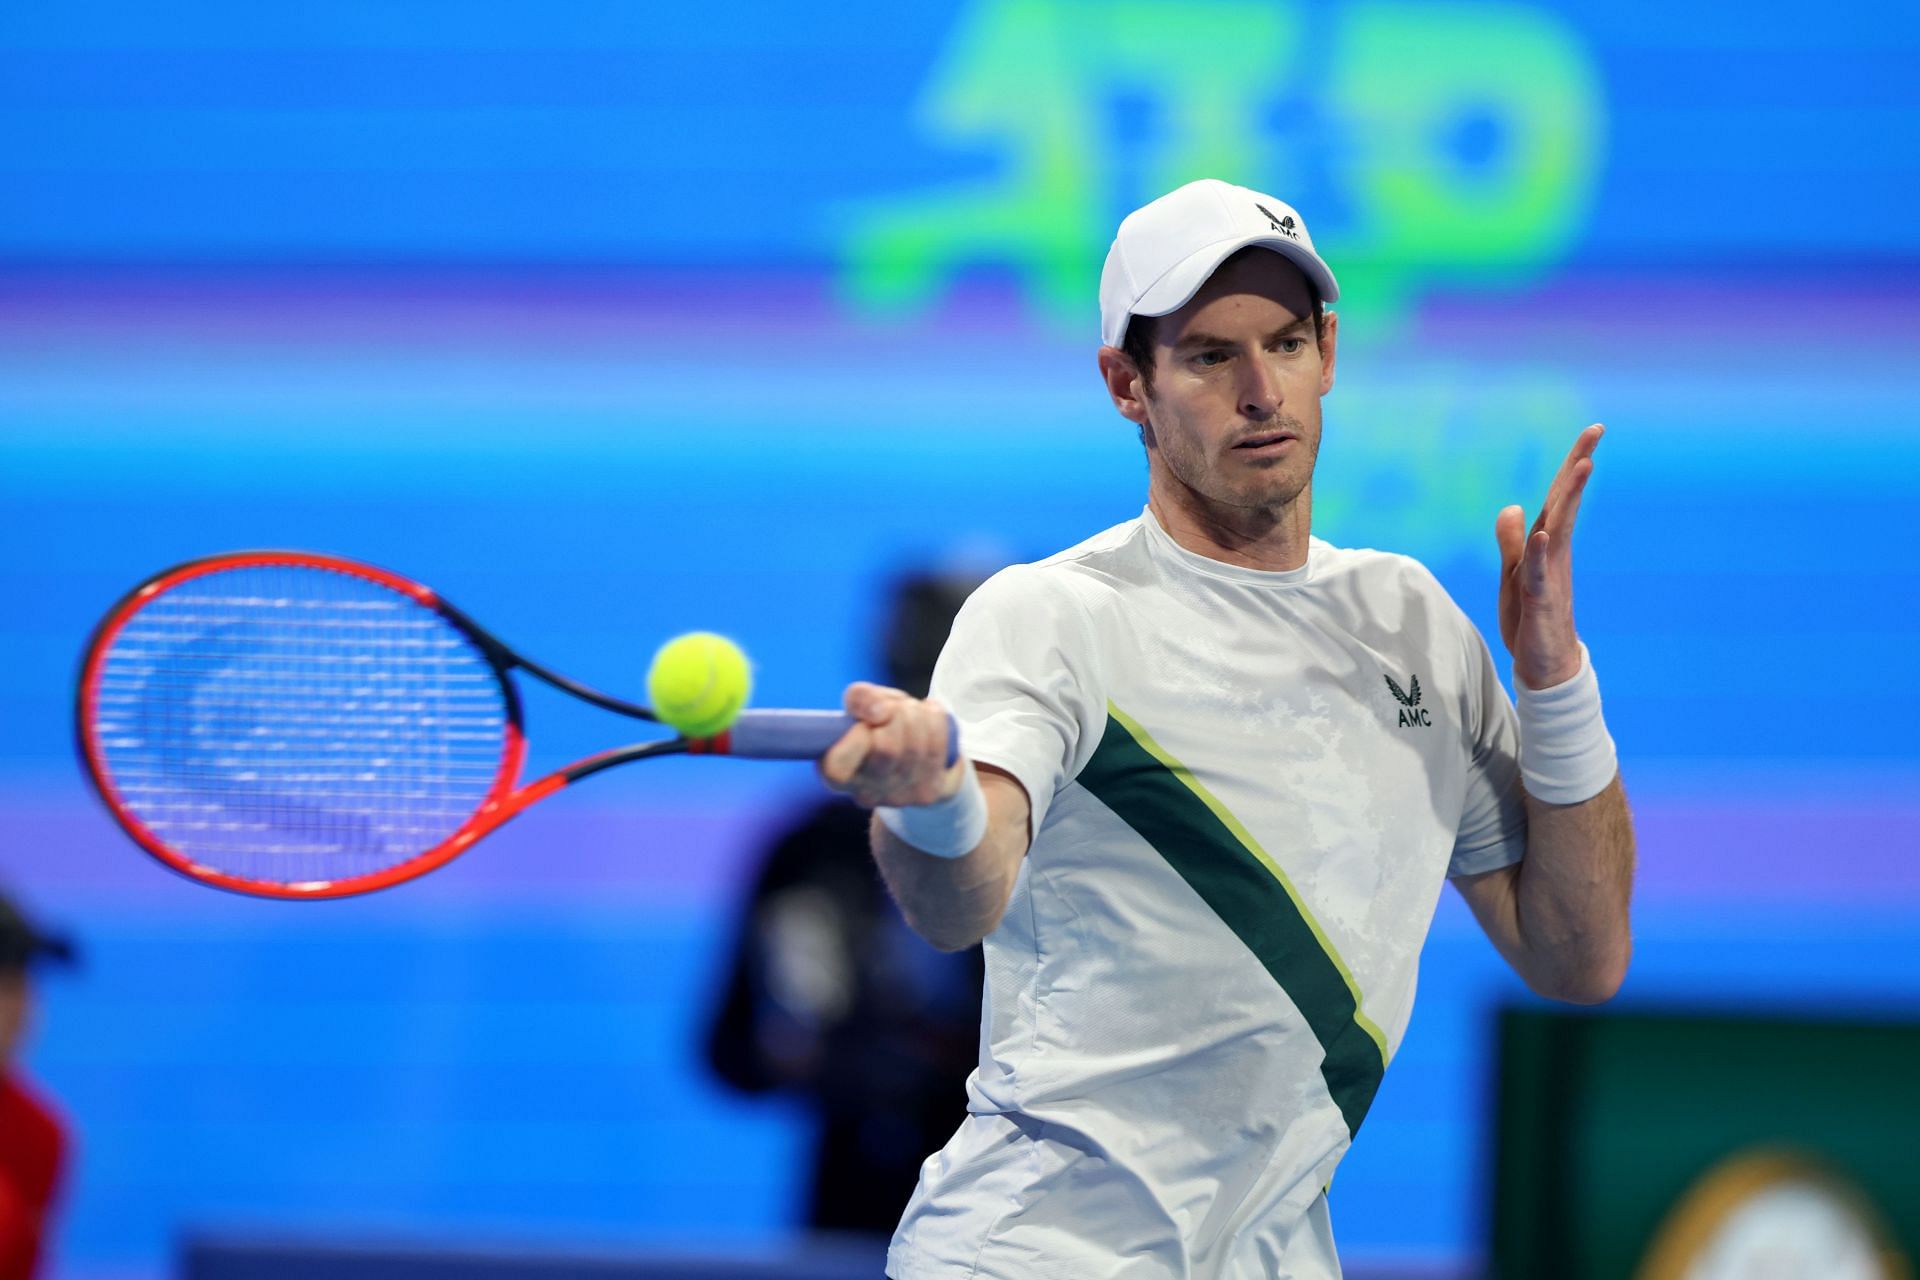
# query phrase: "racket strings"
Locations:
[[295, 725]]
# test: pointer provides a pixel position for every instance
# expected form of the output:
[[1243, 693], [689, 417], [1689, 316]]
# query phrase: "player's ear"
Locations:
[[1122, 378], [1329, 341]]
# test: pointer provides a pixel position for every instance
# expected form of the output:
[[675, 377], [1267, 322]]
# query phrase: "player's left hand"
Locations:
[[1536, 574]]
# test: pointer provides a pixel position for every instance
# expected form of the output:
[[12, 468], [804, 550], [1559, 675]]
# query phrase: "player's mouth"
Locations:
[[1270, 442]]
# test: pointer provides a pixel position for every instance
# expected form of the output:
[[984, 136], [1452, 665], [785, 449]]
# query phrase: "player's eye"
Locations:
[[1209, 358], [1292, 346]]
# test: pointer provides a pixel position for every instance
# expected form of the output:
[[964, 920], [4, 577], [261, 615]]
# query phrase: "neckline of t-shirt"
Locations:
[[1230, 572]]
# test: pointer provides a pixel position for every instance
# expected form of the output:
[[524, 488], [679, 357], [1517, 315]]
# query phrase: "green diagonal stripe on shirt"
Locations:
[[1187, 825]]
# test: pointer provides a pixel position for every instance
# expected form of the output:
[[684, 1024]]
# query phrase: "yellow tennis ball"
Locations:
[[698, 683]]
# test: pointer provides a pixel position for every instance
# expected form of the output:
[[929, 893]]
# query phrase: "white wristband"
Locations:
[[949, 828], [1566, 755]]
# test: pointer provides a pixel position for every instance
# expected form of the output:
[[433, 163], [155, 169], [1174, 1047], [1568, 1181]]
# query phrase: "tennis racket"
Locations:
[[294, 725]]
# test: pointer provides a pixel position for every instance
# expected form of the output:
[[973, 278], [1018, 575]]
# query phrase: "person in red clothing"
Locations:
[[33, 1140]]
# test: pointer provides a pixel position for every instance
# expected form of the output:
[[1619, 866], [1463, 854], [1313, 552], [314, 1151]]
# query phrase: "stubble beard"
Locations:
[[1271, 488]]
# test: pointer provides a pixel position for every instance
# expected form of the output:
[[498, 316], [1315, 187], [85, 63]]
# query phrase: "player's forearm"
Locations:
[[948, 835], [1571, 898], [951, 902]]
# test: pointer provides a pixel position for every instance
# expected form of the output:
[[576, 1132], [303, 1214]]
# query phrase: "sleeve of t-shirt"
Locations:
[[1493, 822], [1018, 673]]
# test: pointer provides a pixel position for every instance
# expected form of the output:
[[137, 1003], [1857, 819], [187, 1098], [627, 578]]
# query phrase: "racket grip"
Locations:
[[798, 735]]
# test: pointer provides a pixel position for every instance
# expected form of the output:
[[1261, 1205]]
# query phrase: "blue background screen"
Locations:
[[615, 321]]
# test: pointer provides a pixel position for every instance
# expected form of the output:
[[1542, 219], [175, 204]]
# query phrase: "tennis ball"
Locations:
[[698, 683]]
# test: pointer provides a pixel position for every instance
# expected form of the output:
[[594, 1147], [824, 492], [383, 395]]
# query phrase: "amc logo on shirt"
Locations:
[[1412, 714]]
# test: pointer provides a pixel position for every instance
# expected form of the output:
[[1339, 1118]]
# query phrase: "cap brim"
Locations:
[[25, 952], [1174, 289]]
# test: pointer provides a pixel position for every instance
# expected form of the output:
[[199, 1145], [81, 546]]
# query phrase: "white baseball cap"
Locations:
[[1164, 251]]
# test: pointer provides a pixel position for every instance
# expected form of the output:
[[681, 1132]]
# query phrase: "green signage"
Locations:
[[1426, 143]]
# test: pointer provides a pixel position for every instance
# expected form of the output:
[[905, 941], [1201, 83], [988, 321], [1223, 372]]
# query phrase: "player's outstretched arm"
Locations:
[[1561, 916], [969, 826]]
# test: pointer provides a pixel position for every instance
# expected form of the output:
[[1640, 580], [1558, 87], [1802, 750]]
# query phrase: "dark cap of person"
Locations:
[[21, 944]]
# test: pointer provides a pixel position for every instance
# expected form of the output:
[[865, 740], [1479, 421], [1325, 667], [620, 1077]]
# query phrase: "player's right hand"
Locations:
[[896, 755]]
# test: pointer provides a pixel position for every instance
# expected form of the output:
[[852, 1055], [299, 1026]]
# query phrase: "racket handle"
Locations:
[[795, 735]]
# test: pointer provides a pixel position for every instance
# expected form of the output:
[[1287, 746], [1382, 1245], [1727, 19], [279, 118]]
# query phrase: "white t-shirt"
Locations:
[[1247, 789]]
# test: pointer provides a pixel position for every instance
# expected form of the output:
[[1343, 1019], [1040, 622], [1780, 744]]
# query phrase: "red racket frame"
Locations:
[[503, 801]]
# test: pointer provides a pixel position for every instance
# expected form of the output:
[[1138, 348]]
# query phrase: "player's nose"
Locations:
[[1260, 394]]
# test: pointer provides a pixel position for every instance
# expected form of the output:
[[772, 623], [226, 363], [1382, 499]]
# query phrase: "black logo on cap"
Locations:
[[1285, 226]]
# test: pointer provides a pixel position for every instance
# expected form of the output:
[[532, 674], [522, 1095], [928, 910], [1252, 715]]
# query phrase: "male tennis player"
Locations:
[[1214, 772]]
